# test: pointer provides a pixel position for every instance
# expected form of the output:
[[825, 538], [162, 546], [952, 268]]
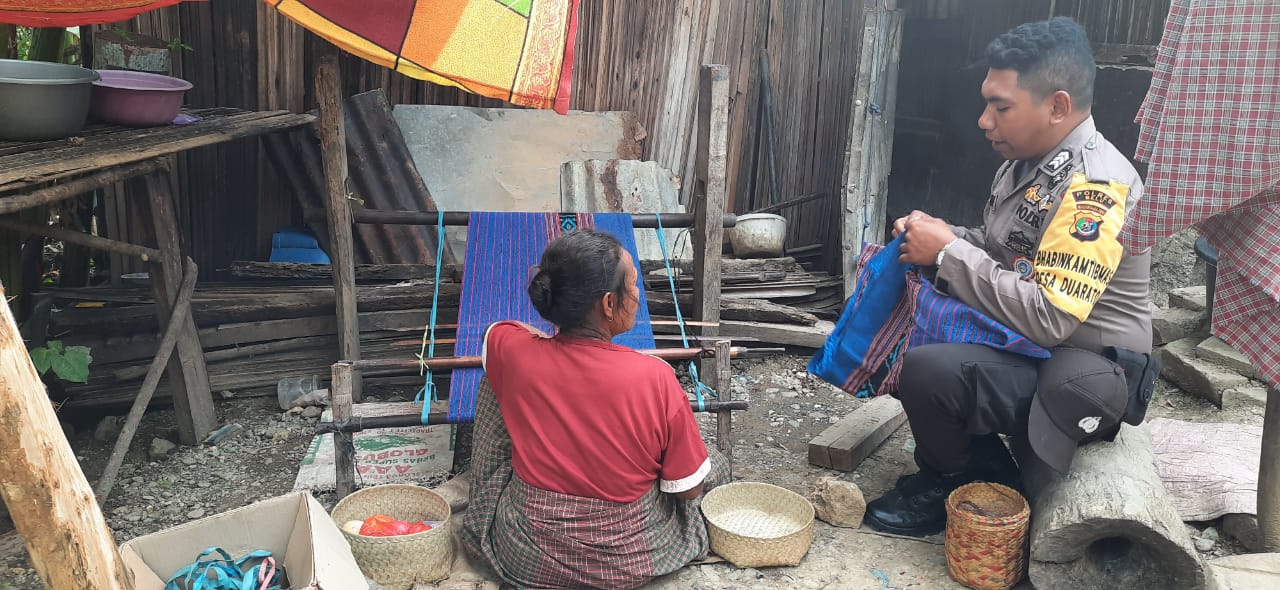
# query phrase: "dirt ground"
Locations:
[[788, 408]]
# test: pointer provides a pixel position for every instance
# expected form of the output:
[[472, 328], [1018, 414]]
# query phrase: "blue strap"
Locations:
[[699, 388], [223, 573], [428, 385]]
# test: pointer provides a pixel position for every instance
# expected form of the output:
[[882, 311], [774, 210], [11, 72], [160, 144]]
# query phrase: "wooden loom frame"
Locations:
[[708, 221]]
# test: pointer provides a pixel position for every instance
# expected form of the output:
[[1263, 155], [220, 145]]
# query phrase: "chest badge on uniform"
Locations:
[[1025, 269], [1085, 227], [1033, 194], [1020, 244]]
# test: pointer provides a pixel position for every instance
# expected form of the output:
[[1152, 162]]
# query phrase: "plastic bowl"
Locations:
[[137, 99], [42, 101]]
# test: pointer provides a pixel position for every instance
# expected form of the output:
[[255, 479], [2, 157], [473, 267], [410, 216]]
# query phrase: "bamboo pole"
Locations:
[[48, 496]]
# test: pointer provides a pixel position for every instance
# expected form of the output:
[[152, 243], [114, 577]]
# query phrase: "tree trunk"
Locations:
[[1108, 523], [48, 496]]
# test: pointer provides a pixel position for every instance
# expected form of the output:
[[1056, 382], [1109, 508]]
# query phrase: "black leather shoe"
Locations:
[[991, 461], [916, 507]]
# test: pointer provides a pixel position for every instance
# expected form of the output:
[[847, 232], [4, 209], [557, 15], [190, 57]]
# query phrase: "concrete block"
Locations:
[[1215, 350], [1195, 375], [1244, 529], [1189, 298], [1170, 324], [1250, 395]]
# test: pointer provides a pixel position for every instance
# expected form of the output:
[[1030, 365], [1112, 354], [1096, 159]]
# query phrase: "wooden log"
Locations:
[[188, 377], [340, 399], [82, 239], [79, 186], [48, 496], [181, 310], [252, 269], [1109, 523], [1269, 475], [462, 218], [746, 310], [333, 147], [844, 445], [709, 202], [729, 266], [791, 335]]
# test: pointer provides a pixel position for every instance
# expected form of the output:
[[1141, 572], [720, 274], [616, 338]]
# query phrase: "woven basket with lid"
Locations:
[[397, 563], [757, 524], [986, 541]]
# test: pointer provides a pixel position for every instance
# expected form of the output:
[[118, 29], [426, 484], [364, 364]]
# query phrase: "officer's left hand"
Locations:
[[925, 237]]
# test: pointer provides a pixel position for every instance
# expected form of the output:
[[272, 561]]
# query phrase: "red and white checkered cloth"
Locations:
[[1211, 133]]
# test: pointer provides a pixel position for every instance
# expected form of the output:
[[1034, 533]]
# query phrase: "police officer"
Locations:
[[1048, 264]]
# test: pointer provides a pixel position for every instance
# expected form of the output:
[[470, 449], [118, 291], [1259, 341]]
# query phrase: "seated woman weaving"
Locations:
[[587, 461]]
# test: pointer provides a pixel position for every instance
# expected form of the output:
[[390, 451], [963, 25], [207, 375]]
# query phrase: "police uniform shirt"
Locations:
[[1048, 262]]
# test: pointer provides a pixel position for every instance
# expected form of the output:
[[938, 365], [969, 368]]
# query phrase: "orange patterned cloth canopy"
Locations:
[[520, 51], [74, 13]]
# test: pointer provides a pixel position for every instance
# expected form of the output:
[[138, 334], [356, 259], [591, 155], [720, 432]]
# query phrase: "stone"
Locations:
[[1204, 545], [838, 502], [312, 412], [1244, 529], [1251, 395], [1244, 572], [108, 428], [160, 448], [227, 394], [1190, 298], [197, 513], [1195, 375], [1215, 350], [1170, 324], [1210, 533]]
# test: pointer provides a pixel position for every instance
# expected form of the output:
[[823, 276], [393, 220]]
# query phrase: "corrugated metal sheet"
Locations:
[[381, 175]]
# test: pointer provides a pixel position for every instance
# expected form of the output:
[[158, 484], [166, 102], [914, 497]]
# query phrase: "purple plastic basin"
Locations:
[[137, 98]]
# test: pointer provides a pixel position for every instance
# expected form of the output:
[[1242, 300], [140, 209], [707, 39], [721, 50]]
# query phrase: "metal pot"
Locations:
[[758, 235], [43, 101]]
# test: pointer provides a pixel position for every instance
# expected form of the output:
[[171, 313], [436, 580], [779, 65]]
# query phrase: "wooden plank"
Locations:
[[333, 146], [252, 269], [845, 444], [786, 334], [723, 384], [192, 399], [77, 187], [870, 140], [68, 539], [708, 235], [133, 145]]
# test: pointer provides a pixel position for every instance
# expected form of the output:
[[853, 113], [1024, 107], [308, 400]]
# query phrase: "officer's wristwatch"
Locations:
[[943, 252]]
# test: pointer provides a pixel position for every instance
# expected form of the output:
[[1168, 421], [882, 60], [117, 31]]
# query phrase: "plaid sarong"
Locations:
[[1210, 129], [892, 310], [535, 538], [501, 248]]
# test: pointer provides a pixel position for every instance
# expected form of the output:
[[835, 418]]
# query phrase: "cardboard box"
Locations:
[[294, 527]]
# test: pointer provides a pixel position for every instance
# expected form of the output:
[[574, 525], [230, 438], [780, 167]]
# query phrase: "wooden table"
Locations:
[[33, 174]]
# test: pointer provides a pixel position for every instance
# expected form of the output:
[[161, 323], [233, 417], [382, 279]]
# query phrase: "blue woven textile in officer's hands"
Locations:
[[893, 309]]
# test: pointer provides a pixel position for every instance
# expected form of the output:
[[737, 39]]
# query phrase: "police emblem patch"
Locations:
[[1085, 226], [1025, 269]]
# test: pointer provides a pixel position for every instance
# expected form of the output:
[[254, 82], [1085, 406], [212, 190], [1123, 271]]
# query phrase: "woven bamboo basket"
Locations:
[[986, 541], [757, 524], [397, 563]]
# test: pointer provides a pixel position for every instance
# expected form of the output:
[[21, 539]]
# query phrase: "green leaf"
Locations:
[[54, 346], [40, 357], [78, 355], [70, 371]]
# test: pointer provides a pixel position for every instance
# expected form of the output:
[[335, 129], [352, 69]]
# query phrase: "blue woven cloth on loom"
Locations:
[[893, 309], [501, 248]]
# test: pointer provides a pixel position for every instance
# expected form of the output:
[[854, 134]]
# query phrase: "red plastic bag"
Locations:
[[381, 525]]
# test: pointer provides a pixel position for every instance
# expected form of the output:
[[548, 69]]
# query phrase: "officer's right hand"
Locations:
[[900, 224]]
